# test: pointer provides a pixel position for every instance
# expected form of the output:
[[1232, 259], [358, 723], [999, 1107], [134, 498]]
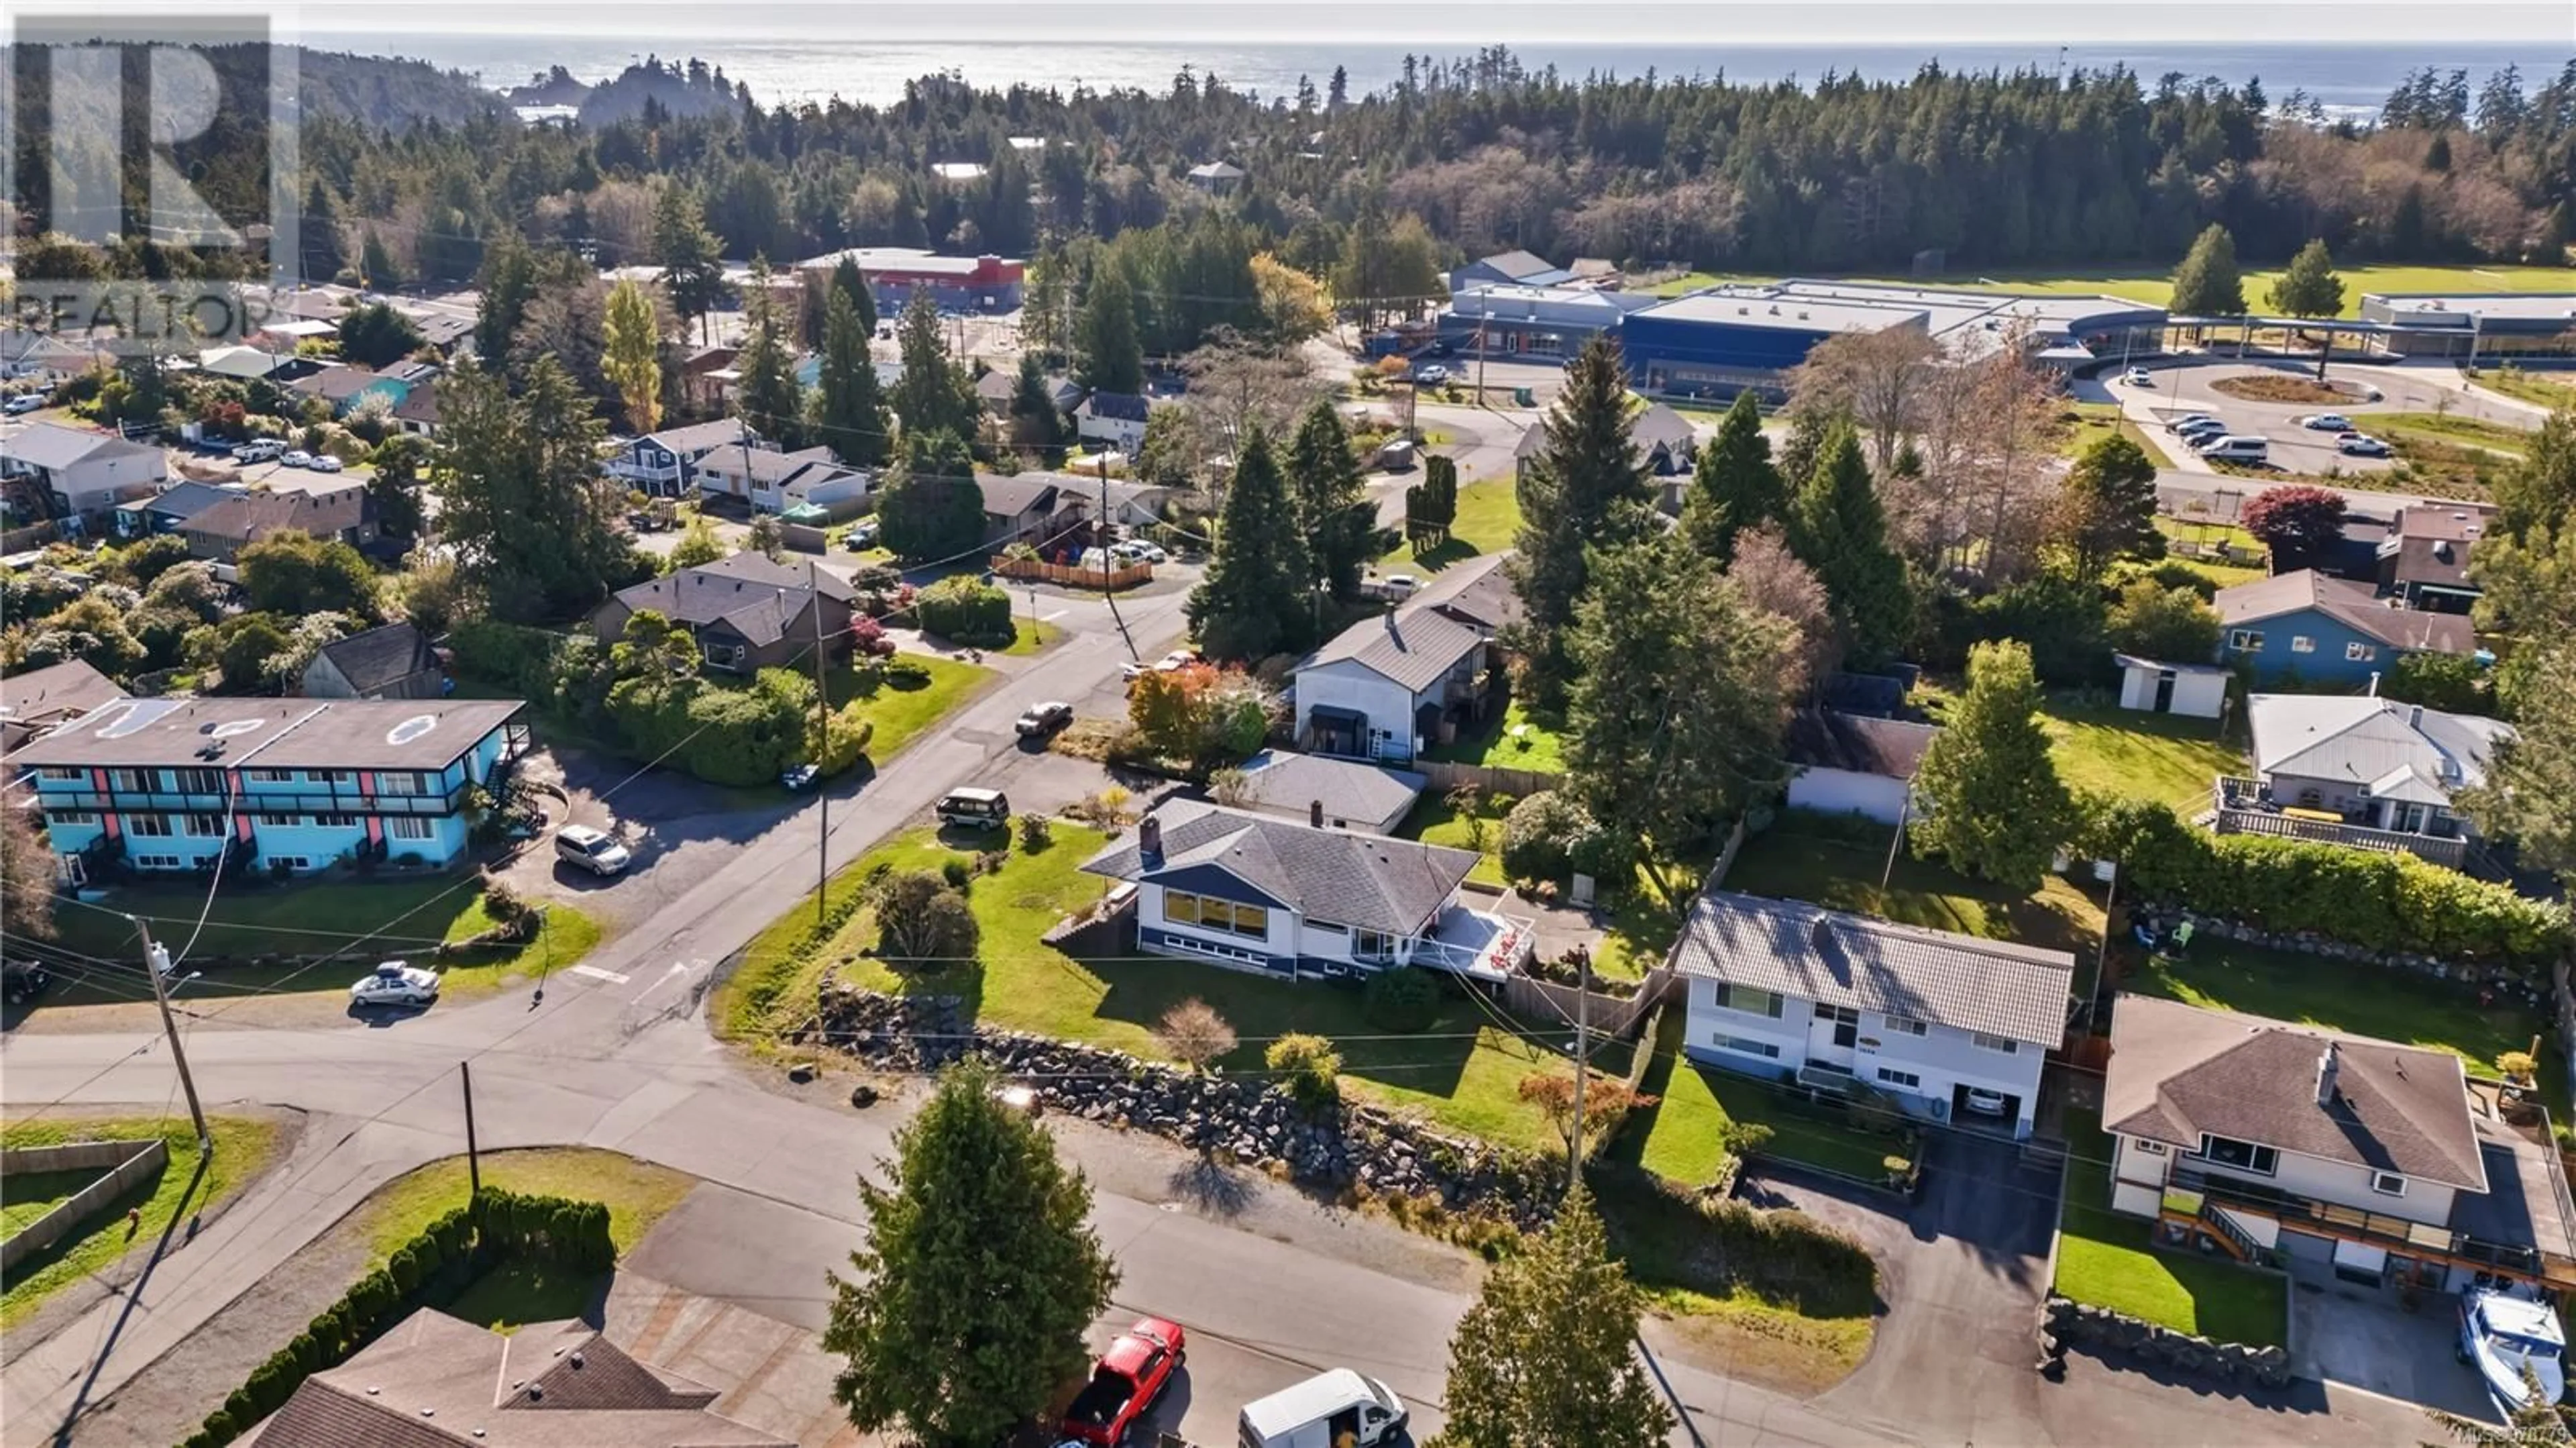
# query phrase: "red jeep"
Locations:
[[1125, 1382]]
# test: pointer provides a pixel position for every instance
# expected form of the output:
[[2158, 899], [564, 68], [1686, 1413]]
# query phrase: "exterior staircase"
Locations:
[[2233, 1239]]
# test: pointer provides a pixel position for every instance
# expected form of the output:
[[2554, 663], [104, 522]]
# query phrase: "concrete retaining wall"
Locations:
[[124, 1162]]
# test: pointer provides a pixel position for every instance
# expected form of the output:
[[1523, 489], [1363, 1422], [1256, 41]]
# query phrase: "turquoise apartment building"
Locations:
[[286, 786]]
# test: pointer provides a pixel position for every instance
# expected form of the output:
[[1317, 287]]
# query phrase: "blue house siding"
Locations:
[[2309, 646]]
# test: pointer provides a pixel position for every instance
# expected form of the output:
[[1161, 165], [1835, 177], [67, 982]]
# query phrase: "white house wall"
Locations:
[[1843, 791], [1944, 1058], [2304, 1176], [1346, 685]]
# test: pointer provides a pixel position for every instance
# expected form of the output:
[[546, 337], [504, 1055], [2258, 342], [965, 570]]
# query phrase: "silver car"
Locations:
[[593, 850], [395, 983]]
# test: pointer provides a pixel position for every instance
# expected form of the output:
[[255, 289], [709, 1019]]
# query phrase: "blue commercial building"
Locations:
[[283, 786], [1715, 343], [1531, 324]]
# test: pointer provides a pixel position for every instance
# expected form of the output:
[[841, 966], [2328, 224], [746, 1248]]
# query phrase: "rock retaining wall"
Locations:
[[2070, 1321], [2526, 983], [1348, 1146]]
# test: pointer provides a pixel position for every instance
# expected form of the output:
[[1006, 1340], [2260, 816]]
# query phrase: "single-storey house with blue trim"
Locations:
[[2328, 630]]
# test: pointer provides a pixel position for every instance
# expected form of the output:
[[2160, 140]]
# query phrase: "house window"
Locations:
[[62, 772], [2302, 644], [2146, 1147], [1743, 1047], [205, 826], [133, 781], [1839, 1015], [2245, 640], [325, 776], [2360, 653], [335, 821], [198, 781], [1906, 1079], [2000, 1045], [155, 826], [1904, 1026], [408, 827], [288, 862], [2242, 1156], [1744, 998], [279, 822], [1180, 907], [401, 781], [2388, 1183], [71, 817], [269, 776], [1372, 945], [157, 862]]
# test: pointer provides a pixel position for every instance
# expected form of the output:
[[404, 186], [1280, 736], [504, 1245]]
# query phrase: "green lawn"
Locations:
[[2469, 431], [29, 1195], [901, 711], [390, 917], [2105, 1259], [2169, 758], [1798, 859], [2392, 1005], [1679, 1137], [242, 1147], [2552, 390], [1489, 514], [1434, 823], [1028, 636], [1463, 1071], [1516, 740], [2089, 422]]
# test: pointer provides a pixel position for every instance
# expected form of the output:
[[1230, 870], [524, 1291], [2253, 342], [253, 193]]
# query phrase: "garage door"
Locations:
[[2307, 1247]]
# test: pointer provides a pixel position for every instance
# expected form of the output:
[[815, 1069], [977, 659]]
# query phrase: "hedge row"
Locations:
[[2390, 902], [430, 1270], [1671, 1236]]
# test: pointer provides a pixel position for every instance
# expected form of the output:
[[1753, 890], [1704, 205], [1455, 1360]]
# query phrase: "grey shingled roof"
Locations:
[[766, 465], [1347, 790], [1815, 954], [46, 445], [1518, 264], [2178, 1072], [1411, 647], [2354, 605], [380, 656], [1121, 406], [1831, 739], [1368, 881], [697, 438], [40, 696], [757, 596]]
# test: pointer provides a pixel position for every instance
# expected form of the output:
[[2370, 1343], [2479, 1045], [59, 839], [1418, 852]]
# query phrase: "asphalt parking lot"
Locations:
[[2179, 390], [2363, 1337]]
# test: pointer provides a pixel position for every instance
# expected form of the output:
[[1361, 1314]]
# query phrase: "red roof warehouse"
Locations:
[[960, 283]]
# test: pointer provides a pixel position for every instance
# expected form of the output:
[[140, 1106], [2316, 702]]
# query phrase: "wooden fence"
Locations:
[[126, 1162], [1613, 1016], [1446, 775], [1032, 570]]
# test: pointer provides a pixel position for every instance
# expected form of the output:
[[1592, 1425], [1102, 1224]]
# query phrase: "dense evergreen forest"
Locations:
[[1992, 170]]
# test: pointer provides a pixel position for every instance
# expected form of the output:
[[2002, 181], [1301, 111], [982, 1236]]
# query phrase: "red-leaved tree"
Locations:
[[2298, 522]]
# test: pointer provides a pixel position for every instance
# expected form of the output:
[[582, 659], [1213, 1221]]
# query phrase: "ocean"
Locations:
[[2350, 79]]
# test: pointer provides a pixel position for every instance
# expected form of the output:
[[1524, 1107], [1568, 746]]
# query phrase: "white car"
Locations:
[[2190, 420], [23, 402], [259, 450], [1984, 1102], [1176, 659], [2327, 422], [325, 463], [2138, 377], [1431, 376], [593, 850], [1137, 550], [298, 458], [2361, 445], [396, 984]]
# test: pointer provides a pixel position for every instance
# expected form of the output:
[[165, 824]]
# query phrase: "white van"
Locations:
[[1317, 1412], [2235, 449], [975, 809]]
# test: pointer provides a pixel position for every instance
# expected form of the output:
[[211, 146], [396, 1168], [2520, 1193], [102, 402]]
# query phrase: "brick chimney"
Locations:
[[2326, 1066], [1149, 840]]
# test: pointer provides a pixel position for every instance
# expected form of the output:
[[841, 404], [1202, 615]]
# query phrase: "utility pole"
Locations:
[[156, 963], [1582, 1063], [1108, 594], [473, 1153], [1904, 810], [823, 744]]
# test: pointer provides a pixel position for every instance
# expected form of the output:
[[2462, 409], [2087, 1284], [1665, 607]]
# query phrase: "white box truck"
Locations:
[[1340, 1409]]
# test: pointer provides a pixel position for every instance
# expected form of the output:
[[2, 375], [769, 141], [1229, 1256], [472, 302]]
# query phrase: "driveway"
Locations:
[[2362, 1336]]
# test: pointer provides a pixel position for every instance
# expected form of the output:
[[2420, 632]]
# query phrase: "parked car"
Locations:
[[2190, 420], [861, 537], [800, 778], [395, 983], [297, 458], [2501, 1333], [2200, 428], [23, 402], [1137, 550], [1040, 720], [2361, 445], [1176, 659], [1984, 1102], [973, 808], [2228, 447], [2138, 377], [325, 463], [1319, 1411], [1125, 1382], [2327, 422], [259, 450], [591, 849], [1432, 375]]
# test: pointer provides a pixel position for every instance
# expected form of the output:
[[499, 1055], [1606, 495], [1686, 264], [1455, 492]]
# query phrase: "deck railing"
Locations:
[[2234, 800]]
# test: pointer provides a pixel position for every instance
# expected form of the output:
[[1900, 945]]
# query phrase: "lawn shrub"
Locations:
[[2375, 901], [966, 610], [1540, 836], [1670, 1235], [1403, 1001], [1308, 1066]]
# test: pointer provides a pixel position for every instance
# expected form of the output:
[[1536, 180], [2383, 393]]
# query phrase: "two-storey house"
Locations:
[[288, 786], [80, 471], [1115, 420], [2326, 630], [1392, 687], [1954, 1028], [1256, 893], [773, 481], [665, 463], [2423, 562], [2287, 1144], [748, 612]]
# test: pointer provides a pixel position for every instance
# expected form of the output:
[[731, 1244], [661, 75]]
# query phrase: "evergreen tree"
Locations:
[[1808, 428], [376, 335], [1547, 1354], [1334, 514], [850, 282], [1734, 487], [376, 265], [326, 251], [1840, 531], [1678, 699], [1431, 506], [2106, 508], [849, 411], [1035, 422], [768, 399], [1337, 93], [1585, 489], [2208, 284], [934, 394], [689, 254], [2309, 286], [1112, 358], [966, 1305], [532, 523], [630, 355], [1254, 600], [1994, 807], [508, 283], [931, 509], [2529, 795]]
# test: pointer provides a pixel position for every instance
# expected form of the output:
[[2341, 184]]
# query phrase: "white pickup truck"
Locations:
[[1320, 1411]]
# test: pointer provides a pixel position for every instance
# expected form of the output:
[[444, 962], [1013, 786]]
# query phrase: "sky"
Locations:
[[1456, 24]]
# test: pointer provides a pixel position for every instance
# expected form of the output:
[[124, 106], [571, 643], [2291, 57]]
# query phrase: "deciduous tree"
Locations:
[[295, 573], [2300, 523], [1993, 805], [1548, 1353], [1735, 486], [26, 877], [632, 355], [921, 922], [2171, 625], [1254, 601], [1874, 378], [964, 1310], [1193, 1034]]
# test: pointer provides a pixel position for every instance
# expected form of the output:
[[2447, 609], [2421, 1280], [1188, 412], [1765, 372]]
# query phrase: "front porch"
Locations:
[[2246, 806]]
